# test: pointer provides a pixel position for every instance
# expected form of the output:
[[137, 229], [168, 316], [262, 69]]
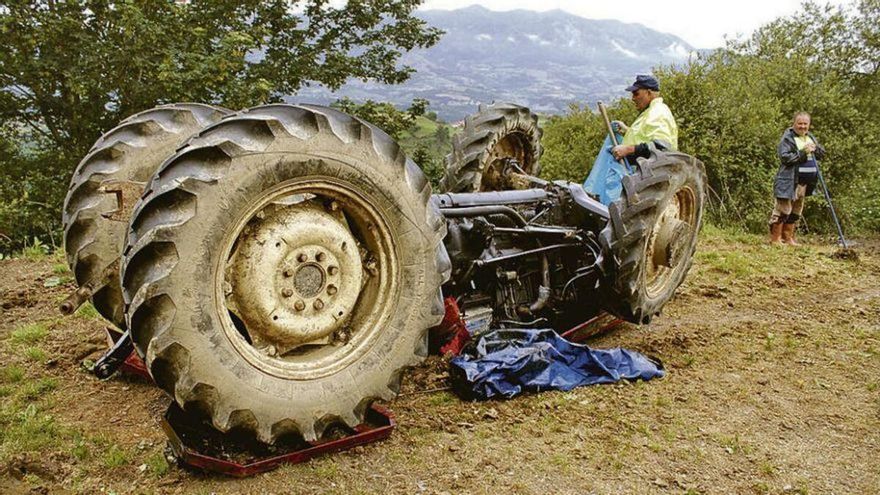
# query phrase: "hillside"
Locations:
[[544, 60], [773, 359]]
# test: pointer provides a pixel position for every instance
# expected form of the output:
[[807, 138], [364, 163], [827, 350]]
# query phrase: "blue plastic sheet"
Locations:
[[606, 177], [507, 362]]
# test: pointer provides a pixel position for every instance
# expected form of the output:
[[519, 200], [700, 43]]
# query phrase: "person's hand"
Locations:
[[622, 151], [619, 127], [810, 147]]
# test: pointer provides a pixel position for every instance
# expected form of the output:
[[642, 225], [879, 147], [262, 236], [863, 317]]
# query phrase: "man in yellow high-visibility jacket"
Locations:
[[655, 126]]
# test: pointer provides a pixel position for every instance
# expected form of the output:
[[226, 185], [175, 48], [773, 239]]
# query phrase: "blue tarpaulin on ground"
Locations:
[[507, 362], [606, 177]]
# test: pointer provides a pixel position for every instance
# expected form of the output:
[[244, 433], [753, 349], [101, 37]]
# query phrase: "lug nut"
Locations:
[[333, 270], [321, 257], [299, 305], [302, 257], [319, 304], [287, 292], [288, 272], [331, 289], [334, 206], [271, 351]]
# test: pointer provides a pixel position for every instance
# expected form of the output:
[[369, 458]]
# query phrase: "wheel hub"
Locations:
[[295, 275], [671, 239], [309, 280], [668, 244]]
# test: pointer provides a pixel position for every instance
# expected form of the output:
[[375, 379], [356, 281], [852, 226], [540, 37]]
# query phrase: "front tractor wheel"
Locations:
[[492, 139], [283, 270], [652, 234]]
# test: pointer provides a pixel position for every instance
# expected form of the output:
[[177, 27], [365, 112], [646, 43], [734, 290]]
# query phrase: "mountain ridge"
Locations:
[[544, 60]]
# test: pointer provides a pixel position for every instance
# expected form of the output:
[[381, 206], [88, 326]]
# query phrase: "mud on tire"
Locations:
[[239, 236], [652, 234], [125, 157], [500, 130]]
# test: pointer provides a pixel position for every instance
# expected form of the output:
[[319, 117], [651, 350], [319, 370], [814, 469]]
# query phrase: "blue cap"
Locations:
[[645, 82]]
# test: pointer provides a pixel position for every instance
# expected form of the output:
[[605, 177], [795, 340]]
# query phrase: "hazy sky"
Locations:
[[703, 24]]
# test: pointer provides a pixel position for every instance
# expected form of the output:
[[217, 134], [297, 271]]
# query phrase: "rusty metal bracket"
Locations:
[[127, 193], [83, 293]]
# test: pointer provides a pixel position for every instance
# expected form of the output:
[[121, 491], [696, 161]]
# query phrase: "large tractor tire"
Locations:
[[282, 270], [492, 135], [106, 185], [652, 234]]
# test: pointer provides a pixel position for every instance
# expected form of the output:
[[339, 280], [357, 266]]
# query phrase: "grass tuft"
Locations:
[[35, 354], [87, 311], [27, 430], [115, 457], [29, 334], [37, 389], [12, 373], [157, 465], [80, 449]]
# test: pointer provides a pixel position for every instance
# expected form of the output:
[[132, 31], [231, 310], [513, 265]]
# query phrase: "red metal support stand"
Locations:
[[198, 446], [241, 459]]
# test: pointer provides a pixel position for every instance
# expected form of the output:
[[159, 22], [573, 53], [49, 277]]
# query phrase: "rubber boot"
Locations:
[[776, 233], [788, 234]]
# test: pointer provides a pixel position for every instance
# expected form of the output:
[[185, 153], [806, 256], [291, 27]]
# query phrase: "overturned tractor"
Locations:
[[278, 268]]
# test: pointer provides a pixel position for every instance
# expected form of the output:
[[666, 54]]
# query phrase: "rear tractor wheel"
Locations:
[[106, 185], [283, 269]]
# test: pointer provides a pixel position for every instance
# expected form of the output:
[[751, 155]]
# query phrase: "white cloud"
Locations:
[[703, 24], [483, 37]]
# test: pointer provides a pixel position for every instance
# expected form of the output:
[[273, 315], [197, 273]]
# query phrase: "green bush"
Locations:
[[733, 104]]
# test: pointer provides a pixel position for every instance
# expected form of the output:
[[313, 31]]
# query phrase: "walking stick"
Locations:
[[604, 112], [842, 239]]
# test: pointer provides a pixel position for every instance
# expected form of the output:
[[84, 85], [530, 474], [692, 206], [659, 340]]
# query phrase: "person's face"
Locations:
[[641, 97], [802, 125]]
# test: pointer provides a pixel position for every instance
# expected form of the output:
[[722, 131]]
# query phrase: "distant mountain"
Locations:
[[544, 60]]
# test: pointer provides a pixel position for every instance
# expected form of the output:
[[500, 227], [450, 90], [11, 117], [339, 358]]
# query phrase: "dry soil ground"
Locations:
[[773, 386]]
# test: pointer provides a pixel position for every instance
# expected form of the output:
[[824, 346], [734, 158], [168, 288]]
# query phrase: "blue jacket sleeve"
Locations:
[[788, 153]]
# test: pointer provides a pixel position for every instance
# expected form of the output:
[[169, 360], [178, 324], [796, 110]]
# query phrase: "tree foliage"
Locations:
[[70, 70], [385, 115], [733, 104]]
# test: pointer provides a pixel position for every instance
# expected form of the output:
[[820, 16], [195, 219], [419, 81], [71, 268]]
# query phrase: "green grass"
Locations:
[[37, 389], [26, 430], [12, 373], [80, 449], [442, 398], [157, 465], [325, 468], [29, 334], [34, 251], [87, 311], [35, 354], [115, 457], [60, 268]]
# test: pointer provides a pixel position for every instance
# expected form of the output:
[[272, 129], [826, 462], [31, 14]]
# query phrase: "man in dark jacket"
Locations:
[[799, 152]]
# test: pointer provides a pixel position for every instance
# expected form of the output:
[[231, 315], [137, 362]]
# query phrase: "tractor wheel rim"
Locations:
[[514, 145], [668, 239], [308, 278]]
